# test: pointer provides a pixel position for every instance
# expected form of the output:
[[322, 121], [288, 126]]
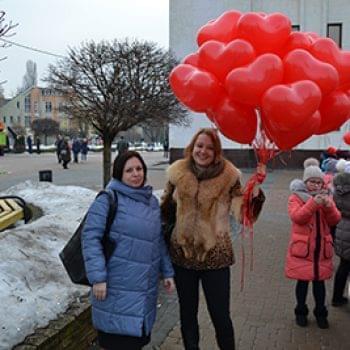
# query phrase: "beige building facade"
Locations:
[[34, 103]]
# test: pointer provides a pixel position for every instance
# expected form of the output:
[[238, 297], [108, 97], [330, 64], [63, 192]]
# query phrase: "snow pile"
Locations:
[[34, 287]]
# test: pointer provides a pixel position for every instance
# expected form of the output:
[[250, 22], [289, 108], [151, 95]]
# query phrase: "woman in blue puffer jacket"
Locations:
[[125, 290]]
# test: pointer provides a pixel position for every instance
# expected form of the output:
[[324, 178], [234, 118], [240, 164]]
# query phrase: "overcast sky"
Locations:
[[54, 25]]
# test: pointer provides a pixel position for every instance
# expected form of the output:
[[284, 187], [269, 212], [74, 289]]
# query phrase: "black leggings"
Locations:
[[318, 290], [340, 279], [216, 287]]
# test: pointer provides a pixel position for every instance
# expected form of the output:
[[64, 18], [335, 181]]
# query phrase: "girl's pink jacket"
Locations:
[[310, 250]]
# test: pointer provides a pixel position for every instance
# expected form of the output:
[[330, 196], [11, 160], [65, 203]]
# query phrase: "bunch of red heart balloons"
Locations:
[[252, 64]]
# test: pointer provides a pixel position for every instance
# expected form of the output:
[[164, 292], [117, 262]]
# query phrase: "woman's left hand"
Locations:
[[261, 171], [261, 174], [169, 285]]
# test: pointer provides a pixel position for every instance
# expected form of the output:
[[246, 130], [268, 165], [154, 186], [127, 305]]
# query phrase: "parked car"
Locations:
[[140, 146], [154, 147]]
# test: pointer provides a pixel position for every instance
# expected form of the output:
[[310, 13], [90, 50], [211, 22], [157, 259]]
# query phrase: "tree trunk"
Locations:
[[45, 140], [107, 143]]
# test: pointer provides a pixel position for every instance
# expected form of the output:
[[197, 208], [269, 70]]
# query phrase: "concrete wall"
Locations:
[[187, 16]]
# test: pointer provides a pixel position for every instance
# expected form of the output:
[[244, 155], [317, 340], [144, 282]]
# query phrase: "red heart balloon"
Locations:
[[296, 40], [331, 150], [248, 84], [219, 58], [288, 106], [236, 122], [327, 50], [222, 29], [286, 140], [196, 89], [335, 111], [346, 138], [266, 33], [191, 59], [301, 65]]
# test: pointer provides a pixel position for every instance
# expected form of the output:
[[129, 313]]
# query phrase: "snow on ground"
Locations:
[[34, 287]]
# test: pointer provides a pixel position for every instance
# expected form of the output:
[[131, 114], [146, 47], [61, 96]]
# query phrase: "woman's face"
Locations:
[[133, 174], [203, 151]]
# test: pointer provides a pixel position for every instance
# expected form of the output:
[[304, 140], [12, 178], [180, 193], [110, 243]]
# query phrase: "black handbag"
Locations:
[[72, 256], [168, 211]]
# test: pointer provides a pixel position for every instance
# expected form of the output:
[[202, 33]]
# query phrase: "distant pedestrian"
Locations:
[[309, 257], [122, 146], [84, 149], [166, 148], [38, 143], [76, 147], [65, 154], [59, 144], [30, 144]]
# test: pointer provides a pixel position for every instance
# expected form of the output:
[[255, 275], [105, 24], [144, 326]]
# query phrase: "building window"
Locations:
[[36, 106], [27, 103], [11, 120], [18, 120], [27, 121], [47, 92], [18, 105], [295, 28], [61, 107], [4, 119], [48, 107], [334, 31]]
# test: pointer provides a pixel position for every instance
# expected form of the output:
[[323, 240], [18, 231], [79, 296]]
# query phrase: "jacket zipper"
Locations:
[[317, 247]]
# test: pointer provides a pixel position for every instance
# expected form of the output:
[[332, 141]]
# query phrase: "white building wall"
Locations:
[[187, 16]]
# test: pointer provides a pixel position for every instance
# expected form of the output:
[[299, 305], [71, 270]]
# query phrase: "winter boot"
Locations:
[[339, 301], [321, 315], [301, 312]]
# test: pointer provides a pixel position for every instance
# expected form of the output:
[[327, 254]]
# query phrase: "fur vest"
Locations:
[[201, 238]]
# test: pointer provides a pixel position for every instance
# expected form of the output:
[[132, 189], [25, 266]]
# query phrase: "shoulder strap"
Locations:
[[113, 206]]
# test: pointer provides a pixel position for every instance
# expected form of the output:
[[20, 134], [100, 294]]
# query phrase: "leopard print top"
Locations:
[[218, 257]]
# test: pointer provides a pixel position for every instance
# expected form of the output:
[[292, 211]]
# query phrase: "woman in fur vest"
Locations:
[[206, 189], [342, 235], [309, 257]]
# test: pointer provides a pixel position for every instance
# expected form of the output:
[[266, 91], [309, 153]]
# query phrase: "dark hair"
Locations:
[[120, 161]]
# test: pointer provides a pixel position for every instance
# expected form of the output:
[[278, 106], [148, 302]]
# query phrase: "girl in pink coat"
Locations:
[[309, 257]]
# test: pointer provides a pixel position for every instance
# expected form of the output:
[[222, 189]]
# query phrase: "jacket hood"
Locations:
[[298, 187], [141, 194]]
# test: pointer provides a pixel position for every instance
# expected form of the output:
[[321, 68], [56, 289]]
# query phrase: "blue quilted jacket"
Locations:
[[132, 273]]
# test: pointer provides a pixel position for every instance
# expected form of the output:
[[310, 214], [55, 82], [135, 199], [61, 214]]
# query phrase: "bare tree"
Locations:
[[46, 127], [5, 32], [117, 85]]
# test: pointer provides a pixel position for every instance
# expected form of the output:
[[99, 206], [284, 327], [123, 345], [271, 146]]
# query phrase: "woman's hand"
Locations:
[[261, 174], [169, 285], [261, 171], [99, 290]]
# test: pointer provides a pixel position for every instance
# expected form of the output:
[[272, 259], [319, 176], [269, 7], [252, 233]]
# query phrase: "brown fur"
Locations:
[[203, 207]]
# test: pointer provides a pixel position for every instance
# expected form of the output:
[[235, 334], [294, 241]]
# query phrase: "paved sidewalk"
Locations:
[[263, 313]]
